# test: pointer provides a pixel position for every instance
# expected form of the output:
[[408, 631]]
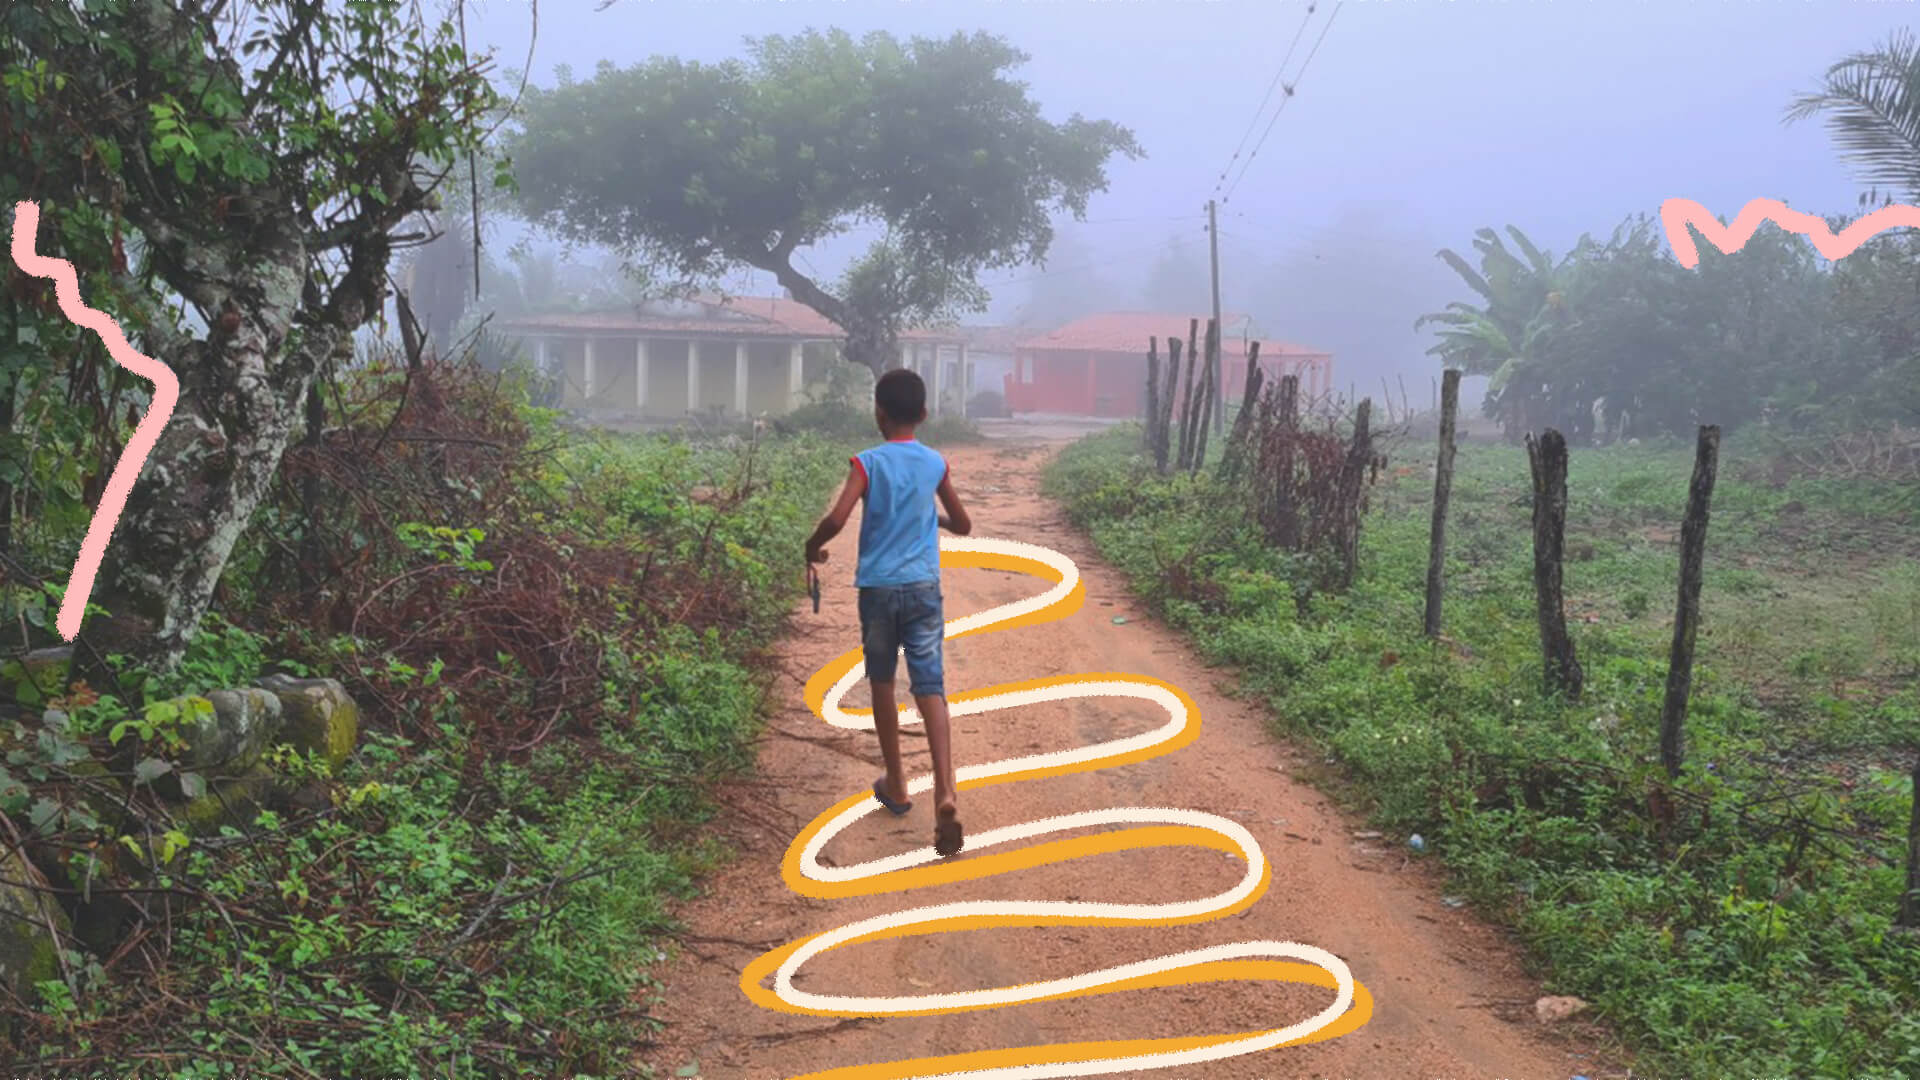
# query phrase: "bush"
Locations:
[[552, 638]]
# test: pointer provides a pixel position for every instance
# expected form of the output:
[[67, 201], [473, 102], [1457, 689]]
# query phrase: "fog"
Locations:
[[1415, 124]]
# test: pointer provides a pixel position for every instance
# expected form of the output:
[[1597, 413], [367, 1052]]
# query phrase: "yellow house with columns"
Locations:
[[744, 356]]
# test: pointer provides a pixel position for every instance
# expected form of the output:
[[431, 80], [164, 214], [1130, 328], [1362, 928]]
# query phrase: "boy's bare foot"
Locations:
[[946, 832], [898, 806]]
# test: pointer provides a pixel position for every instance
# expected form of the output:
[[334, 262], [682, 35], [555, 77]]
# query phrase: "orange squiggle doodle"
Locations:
[[1677, 214], [166, 393]]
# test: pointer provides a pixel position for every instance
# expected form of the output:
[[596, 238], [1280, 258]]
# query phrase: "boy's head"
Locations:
[[899, 400]]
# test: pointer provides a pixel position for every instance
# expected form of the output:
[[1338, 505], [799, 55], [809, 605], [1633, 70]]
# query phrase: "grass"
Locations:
[[1754, 936]]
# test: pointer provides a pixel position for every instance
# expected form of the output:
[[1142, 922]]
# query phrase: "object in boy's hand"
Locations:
[[813, 586]]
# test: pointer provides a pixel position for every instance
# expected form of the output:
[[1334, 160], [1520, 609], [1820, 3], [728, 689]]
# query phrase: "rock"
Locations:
[[37, 676], [1552, 1010], [229, 802], [27, 947], [231, 738], [317, 715]]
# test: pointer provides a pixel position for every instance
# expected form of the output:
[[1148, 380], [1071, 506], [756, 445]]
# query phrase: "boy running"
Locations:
[[899, 580]]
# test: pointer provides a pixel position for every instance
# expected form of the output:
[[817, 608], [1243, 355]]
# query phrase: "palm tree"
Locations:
[[1871, 101], [1522, 297]]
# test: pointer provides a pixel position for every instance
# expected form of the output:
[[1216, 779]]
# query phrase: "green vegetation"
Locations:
[[480, 889], [1754, 937]]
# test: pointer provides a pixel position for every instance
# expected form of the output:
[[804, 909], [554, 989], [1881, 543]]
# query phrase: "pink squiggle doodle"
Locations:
[[166, 393], [1677, 214]]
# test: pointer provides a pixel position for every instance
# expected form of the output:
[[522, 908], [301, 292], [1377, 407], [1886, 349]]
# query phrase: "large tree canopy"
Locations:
[[702, 169]]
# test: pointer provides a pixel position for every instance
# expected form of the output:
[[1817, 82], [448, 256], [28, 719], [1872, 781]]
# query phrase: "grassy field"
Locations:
[[1754, 937]]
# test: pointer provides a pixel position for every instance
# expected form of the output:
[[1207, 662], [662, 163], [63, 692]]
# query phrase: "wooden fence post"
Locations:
[[1353, 478], [1548, 457], [1286, 522], [1166, 404], [1150, 436], [1243, 420], [1187, 398], [1442, 492], [1209, 390], [1686, 615], [1164, 449]]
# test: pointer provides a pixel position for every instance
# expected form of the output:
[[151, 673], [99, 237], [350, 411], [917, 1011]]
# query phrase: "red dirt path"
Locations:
[[1450, 997]]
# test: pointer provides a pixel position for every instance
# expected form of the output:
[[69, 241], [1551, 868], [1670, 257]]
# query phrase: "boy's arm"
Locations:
[[955, 520], [836, 518]]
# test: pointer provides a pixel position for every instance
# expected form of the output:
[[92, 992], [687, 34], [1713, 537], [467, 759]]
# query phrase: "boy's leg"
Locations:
[[922, 629], [880, 639], [933, 713], [886, 724]]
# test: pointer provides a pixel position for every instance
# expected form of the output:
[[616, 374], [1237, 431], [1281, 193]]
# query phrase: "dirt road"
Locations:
[[1449, 997]]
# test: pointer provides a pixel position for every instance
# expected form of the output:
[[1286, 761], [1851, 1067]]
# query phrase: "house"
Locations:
[[1097, 366], [990, 353], [663, 359]]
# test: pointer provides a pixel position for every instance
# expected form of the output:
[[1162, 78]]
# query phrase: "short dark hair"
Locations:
[[902, 395]]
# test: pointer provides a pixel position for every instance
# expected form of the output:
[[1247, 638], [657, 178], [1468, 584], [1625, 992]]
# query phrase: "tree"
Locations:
[[262, 197], [1871, 100], [1522, 297], [702, 169]]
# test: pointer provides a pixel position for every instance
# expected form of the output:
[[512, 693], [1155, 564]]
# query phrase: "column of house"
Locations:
[[796, 373], [586, 389]]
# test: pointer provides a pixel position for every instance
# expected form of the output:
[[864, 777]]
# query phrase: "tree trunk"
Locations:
[[1150, 435], [1686, 615], [1548, 458], [1442, 491], [241, 394], [1243, 420]]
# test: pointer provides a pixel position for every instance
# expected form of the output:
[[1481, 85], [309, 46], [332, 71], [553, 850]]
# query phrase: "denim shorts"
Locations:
[[897, 617]]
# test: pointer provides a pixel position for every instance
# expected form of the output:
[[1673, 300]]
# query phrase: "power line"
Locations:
[[1262, 107], [1291, 87]]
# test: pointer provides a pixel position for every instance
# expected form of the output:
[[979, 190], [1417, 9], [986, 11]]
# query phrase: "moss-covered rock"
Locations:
[[317, 715], [229, 802], [231, 736], [28, 948]]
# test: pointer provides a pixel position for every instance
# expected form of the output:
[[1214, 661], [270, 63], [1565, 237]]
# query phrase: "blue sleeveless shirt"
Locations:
[[900, 525]]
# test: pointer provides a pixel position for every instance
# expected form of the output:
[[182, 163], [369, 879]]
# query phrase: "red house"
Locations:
[[1097, 366]]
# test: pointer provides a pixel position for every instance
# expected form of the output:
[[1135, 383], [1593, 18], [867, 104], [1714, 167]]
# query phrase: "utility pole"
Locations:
[[1220, 332]]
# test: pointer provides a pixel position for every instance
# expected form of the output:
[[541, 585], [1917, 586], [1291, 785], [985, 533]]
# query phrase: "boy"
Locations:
[[899, 580]]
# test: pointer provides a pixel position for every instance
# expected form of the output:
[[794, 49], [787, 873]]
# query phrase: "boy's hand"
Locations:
[[816, 554]]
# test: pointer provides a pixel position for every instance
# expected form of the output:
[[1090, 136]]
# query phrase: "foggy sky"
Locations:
[[1417, 122]]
